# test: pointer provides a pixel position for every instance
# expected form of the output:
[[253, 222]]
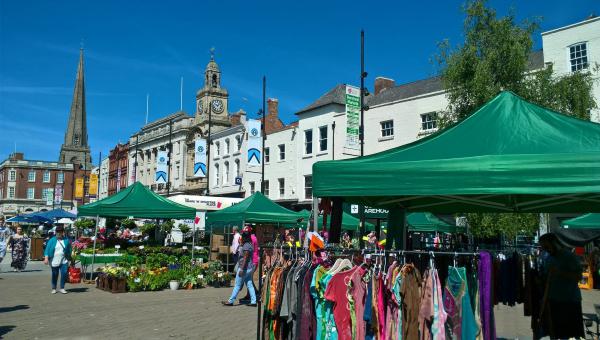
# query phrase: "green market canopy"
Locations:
[[428, 222], [254, 209], [137, 201], [587, 221], [349, 222], [509, 156]]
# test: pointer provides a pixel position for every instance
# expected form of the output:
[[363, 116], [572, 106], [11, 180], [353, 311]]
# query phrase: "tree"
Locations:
[[494, 57], [85, 223], [128, 223]]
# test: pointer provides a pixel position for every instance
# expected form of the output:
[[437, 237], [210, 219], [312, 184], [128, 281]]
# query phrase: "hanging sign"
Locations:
[[200, 157], [118, 179], [352, 117], [50, 196], [133, 168], [79, 187], [254, 143], [93, 190], [58, 194], [161, 167]]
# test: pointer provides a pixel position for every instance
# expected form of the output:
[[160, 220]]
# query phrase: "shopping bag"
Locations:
[[74, 275]]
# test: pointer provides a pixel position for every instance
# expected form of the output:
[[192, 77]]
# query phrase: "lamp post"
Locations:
[[363, 75], [209, 147]]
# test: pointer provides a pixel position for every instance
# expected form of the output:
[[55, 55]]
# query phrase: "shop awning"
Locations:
[[509, 156], [137, 201]]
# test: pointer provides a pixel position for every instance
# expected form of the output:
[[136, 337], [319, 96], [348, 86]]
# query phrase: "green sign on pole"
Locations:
[[352, 117]]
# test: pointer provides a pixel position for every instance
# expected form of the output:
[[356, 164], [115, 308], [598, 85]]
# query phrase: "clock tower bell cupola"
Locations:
[[211, 99]]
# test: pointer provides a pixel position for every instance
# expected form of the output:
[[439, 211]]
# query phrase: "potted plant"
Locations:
[[174, 284], [189, 281]]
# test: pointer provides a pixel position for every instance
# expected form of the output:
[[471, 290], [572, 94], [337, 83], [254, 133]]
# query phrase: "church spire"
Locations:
[[75, 148]]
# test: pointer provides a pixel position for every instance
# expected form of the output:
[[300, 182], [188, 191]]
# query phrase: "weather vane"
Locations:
[[212, 53], [81, 44]]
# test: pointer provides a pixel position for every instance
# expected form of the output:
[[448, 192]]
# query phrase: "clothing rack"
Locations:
[[375, 252]]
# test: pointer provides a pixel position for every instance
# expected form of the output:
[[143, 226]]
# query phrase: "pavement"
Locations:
[[29, 311]]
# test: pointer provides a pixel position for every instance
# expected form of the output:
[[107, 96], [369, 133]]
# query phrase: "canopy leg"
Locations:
[[94, 249]]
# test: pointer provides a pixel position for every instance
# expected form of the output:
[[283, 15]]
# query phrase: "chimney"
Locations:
[[16, 156], [382, 83], [272, 106]]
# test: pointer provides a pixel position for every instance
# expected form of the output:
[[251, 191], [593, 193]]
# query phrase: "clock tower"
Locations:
[[211, 100]]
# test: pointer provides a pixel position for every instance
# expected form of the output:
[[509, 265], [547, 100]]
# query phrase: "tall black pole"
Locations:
[[264, 137], [361, 208], [170, 153], [135, 162], [333, 140], [209, 144], [99, 172]]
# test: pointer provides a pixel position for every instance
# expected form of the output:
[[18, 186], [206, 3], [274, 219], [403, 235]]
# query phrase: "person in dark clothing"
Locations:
[[244, 271], [563, 298]]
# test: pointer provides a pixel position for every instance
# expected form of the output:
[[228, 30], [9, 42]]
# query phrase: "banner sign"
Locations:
[[50, 196], [118, 179], [352, 117], [132, 170], [254, 143], [161, 167], [79, 187], [200, 158], [93, 189], [58, 194]]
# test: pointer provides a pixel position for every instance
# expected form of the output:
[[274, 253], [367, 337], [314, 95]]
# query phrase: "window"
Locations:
[[281, 182], [217, 147], [46, 176], [31, 176], [323, 138], [308, 187], [60, 177], [30, 193], [308, 140], [226, 149], [252, 188], [266, 188], [281, 152], [578, 57], [216, 174], [11, 192], [267, 155], [236, 168], [12, 175], [429, 121], [45, 193], [177, 173], [226, 173], [387, 128], [238, 140]]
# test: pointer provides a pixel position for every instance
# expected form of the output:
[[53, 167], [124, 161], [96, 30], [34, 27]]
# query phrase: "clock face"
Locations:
[[217, 105], [200, 106]]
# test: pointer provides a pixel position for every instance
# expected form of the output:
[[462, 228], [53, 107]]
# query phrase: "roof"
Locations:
[[336, 95], [510, 155], [416, 88], [175, 116]]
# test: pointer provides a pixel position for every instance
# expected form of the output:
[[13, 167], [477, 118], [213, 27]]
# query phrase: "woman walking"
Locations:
[[58, 255], [244, 272], [20, 250]]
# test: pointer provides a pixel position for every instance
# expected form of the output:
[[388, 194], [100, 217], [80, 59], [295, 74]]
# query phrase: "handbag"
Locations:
[[74, 274]]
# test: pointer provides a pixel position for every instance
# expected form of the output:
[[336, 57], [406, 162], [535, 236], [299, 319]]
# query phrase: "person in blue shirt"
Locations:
[[58, 255]]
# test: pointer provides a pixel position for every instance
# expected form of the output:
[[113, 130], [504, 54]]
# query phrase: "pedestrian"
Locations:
[[235, 243], [19, 243], [5, 233], [245, 268], [255, 257], [58, 255], [562, 297]]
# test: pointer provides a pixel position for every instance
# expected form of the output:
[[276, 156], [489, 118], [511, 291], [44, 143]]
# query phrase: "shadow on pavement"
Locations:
[[6, 329], [78, 290], [12, 309]]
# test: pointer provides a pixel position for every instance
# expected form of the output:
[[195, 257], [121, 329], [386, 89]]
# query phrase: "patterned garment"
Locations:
[[19, 252]]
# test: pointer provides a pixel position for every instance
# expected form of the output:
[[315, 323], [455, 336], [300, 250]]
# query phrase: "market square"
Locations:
[[267, 181]]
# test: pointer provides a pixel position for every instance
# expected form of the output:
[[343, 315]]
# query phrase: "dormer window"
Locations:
[[214, 80]]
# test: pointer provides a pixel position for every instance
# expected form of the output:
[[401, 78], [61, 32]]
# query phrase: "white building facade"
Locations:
[[103, 178]]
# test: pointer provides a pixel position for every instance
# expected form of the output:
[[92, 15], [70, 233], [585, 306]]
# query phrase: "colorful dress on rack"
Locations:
[[411, 301], [337, 292]]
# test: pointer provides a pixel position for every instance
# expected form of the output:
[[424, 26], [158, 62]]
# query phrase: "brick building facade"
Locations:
[[117, 168]]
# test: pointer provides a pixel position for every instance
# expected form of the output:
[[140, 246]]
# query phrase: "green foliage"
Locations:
[[148, 228], [167, 226], [157, 260], [507, 224], [184, 229], [128, 223], [85, 223], [494, 57]]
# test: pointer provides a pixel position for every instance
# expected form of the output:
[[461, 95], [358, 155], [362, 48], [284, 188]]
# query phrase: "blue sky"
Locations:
[[137, 47]]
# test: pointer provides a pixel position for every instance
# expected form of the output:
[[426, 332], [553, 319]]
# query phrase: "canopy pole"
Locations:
[[227, 230], [193, 241], [94, 249]]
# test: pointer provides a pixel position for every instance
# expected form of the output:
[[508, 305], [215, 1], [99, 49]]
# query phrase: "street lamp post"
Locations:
[[264, 137], [209, 147], [363, 75]]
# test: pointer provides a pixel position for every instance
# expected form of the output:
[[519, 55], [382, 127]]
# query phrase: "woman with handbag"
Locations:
[[19, 244], [58, 255]]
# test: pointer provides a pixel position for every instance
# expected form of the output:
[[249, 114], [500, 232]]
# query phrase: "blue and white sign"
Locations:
[[161, 167], [238, 181], [254, 143], [200, 158]]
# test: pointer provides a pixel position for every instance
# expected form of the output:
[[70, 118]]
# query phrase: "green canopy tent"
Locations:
[[254, 209], [508, 156], [135, 201], [428, 222], [587, 221], [349, 222]]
